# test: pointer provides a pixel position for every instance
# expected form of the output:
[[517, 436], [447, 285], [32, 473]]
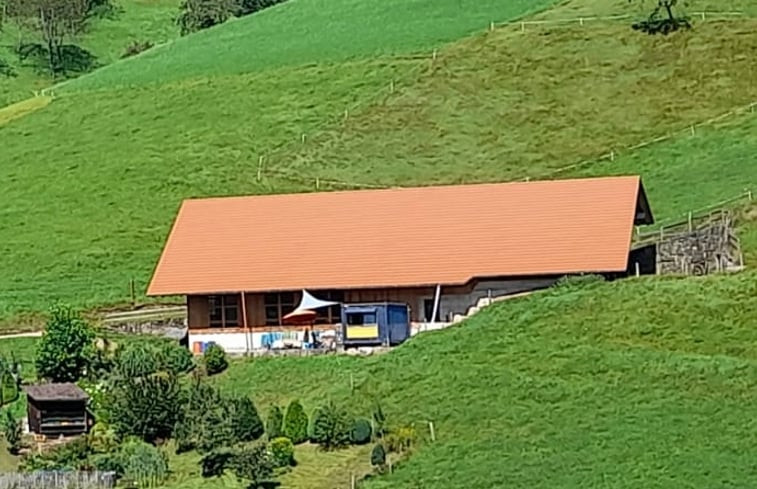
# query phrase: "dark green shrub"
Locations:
[[174, 358], [12, 431], [296, 423], [332, 427], [215, 429], [214, 358], [136, 360], [252, 464], [146, 407], [214, 463], [245, 421], [65, 350], [378, 455], [282, 452], [109, 462], [274, 423], [210, 421], [361, 432]]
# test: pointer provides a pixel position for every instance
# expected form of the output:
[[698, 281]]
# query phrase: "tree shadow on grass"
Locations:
[[73, 61], [7, 70]]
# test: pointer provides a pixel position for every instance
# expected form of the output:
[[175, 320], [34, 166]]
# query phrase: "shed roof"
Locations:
[[56, 392], [399, 237]]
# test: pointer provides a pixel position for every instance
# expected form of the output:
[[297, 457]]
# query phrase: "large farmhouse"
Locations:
[[242, 262]]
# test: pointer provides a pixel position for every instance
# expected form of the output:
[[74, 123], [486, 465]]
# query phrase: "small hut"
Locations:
[[57, 409]]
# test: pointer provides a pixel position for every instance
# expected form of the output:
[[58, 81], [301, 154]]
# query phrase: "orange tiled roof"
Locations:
[[398, 237]]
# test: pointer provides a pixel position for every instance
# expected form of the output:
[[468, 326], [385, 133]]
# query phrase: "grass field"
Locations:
[[107, 39], [315, 470], [300, 32], [640, 383], [90, 212], [636, 383]]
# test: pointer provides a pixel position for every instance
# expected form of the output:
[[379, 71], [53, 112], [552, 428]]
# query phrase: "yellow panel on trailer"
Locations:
[[364, 332]]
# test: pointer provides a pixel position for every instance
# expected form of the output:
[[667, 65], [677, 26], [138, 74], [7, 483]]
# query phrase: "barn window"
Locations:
[[332, 314], [224, 311], [278, 305]]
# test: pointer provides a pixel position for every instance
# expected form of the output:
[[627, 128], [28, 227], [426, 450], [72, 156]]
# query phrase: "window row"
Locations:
[[225, 311]]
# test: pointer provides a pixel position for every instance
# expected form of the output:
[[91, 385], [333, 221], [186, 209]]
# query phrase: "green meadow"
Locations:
[[640, 383], [106, 39], [93, 178]]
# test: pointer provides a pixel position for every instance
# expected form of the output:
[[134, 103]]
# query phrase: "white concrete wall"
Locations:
[[240, 343], [230, 342], [452, 304]]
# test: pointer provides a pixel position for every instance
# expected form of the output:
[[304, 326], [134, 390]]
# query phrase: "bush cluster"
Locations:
[[332, 427], [210, 420], [136, 47], [251, 463], [136, 461], [214, 358]]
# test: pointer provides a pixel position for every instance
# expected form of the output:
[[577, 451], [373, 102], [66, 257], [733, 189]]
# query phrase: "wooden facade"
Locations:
[[265, 310], [58, 409]]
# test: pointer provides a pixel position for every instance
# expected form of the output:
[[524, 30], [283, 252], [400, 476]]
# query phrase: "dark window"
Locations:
[[361, 319], [428, 310], [223, 311], [333, 314], [277, 306]]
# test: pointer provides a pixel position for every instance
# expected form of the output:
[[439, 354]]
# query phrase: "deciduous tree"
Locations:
[[664, 18], [66, 347], [53, 21]]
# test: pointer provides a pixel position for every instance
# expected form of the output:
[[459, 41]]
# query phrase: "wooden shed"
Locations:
[[57, 409]]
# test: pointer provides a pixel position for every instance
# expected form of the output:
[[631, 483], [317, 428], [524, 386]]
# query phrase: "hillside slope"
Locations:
[[299, 32], [93, 180], [639, 383], [106, 40]]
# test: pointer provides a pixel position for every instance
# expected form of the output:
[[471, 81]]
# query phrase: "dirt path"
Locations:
[[28, 334]]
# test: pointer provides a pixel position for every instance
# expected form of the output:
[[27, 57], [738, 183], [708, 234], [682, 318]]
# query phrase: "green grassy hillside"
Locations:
[[96, 177], [641, 383], [306, 31], [134, 20], [636, 383]]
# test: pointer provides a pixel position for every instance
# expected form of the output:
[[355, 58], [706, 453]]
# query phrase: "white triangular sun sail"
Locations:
[[310, 303]]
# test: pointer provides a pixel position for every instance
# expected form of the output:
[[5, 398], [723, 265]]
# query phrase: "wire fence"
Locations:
[[394, 85], [390, 88]]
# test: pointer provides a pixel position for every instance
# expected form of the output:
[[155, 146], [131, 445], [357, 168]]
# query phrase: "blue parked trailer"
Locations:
[[375, 324]]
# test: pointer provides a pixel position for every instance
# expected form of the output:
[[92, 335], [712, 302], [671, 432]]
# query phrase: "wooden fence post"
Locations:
[[260, 168]]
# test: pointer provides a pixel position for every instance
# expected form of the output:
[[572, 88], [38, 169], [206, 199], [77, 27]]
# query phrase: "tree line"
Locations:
[[195, 15]]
